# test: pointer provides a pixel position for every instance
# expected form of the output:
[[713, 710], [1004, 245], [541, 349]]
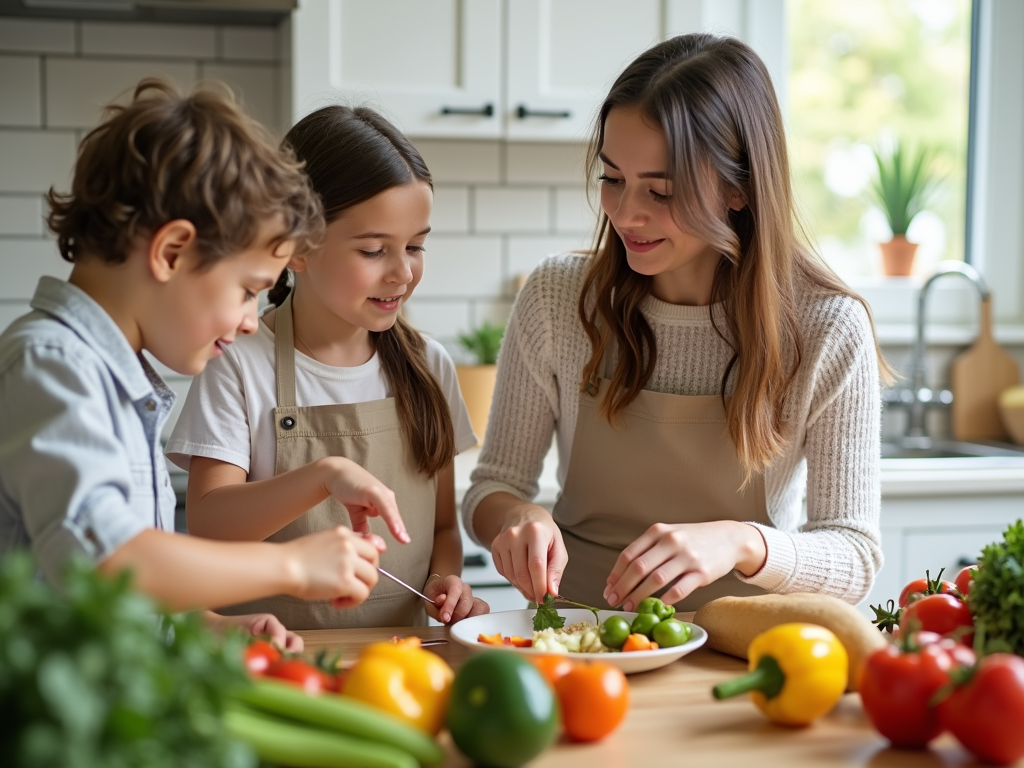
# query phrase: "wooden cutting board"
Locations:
[[979, 374]]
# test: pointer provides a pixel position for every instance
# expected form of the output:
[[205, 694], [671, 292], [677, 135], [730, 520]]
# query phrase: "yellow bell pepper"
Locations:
[[404, 680], [797, 673]]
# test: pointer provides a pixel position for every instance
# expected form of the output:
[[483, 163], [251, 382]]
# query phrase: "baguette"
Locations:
[[732, 622]]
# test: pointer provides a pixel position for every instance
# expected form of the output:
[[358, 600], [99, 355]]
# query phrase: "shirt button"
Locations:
[[151, 405], [288, 422]]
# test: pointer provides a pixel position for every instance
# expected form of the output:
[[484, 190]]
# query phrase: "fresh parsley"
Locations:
[[547, 617], [997, 592]]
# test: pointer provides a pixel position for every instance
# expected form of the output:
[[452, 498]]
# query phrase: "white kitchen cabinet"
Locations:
[[523, 70]]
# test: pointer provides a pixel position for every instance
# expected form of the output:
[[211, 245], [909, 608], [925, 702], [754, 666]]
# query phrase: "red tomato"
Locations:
[[921, 587], [896, 688], [963, 579], [960, 654], [302, 674], [943, 614], [259, 656], [986, 713], [594, 699]]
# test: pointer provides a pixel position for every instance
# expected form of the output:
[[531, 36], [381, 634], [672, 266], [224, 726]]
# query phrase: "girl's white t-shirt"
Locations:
[[229, 411]]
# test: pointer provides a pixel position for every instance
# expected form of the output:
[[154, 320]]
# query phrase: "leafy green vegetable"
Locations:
[[997, 592], [547, 617], [98, 678]]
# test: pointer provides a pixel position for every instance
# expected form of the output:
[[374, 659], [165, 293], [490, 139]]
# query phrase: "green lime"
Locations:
[[502, 711], [671, 632], [614, 631], [644, 624]]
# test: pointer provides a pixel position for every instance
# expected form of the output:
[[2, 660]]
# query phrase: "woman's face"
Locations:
[[636, 195], [372, 259]]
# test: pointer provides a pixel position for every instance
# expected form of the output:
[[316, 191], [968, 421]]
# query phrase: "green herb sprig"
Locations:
[[547, 617], [997, 592]]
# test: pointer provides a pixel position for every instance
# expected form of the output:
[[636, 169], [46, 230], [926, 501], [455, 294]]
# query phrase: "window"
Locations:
[[864, 75]]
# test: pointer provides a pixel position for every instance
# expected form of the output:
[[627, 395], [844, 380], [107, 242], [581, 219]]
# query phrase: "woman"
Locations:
[[701, 369]]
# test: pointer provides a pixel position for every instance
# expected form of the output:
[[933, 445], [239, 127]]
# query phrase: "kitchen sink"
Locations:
[[989, 454]]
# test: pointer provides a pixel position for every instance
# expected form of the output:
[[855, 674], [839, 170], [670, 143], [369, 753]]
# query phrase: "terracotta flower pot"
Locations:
[[477, 385], [898, 256]]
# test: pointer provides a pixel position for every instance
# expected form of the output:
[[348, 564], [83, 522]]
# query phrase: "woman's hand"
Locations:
[[257, 624], [529, 551], [364, 496], [337, 565], [453, 599], [684, 556]]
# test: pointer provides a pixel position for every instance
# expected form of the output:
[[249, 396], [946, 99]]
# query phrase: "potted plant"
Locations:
[[904, 182], [477, 381]]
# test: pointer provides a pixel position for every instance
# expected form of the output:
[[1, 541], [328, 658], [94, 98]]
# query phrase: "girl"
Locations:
[[334, 371], [702, 370]]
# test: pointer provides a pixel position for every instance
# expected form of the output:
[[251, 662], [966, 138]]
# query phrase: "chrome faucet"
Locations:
[[916, 397]]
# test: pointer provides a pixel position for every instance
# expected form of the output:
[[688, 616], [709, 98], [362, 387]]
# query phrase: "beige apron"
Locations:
[[371, 435], [670, 459]]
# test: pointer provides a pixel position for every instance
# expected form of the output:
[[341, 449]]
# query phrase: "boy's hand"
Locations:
[[453, 599], [337, 565], [257, 624], [364, 496]]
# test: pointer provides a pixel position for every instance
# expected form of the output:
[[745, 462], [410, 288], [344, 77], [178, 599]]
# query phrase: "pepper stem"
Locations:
[[767, 677]]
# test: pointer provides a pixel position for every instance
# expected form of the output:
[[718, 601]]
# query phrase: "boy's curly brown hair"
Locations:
[[167, 156]]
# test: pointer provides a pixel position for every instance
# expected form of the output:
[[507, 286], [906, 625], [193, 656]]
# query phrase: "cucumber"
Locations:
[[296, 745], [341, 714]]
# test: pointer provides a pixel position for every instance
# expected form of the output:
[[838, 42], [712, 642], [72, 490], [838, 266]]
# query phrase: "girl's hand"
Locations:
[[686, 556], [364, 496], [257, 624], [337, 565], [453, 599], [529, 552]]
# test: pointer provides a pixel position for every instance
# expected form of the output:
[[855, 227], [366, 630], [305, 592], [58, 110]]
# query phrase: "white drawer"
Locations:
[[949, 548]]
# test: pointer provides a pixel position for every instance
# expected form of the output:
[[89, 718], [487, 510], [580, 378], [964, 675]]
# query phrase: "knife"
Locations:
[[402, 583]]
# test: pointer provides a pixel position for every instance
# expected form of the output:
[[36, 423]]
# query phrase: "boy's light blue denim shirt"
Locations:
[[81, 467]]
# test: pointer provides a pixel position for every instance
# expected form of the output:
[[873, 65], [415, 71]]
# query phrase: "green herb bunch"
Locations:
[[997, 592], [903, 185], [98, 678], [484, 343]]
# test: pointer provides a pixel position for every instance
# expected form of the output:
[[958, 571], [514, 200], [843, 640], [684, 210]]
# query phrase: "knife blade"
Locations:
[[402, 583]]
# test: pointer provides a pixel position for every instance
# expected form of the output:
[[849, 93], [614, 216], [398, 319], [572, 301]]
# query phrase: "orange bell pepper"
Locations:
[[494, 639], [519, 642], [404, 680]]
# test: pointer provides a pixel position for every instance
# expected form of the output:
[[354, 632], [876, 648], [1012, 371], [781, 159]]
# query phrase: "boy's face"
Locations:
[[202, 311]]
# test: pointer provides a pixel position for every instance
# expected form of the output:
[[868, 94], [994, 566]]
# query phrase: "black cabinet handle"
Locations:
[[963, 562], [523, 112], [475, 560], [487, 110]]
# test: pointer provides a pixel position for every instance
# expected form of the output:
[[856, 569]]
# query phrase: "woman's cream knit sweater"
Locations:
[[833, 411]]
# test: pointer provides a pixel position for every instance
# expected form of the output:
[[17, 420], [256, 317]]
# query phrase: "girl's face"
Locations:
[[372, 259], [636, 195]]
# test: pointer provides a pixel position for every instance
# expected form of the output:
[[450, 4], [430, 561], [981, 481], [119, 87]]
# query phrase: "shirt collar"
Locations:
[[80, 312]]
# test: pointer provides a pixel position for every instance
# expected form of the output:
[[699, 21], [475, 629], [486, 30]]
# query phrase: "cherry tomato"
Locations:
[[959, 654], [924, 587], [943, 614], [964, 578], [896, 688], [553, 666], [302, 674], [986, 713], [259, 655], [594, 699]]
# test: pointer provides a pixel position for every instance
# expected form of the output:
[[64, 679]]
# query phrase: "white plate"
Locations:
[[510, 623]]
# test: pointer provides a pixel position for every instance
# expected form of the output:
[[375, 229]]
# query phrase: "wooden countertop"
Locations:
[[674, 721]]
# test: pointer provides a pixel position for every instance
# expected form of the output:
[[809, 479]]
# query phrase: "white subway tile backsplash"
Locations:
[[20, 102], [77, 90], [177, 41], [442, 320], [33, 161], [529, 163], [21, 215], [573, 211], [11, 311], [451, 211], [462, 162], [525, 252], [37, 35], [251, 43], [510, 209], [255, 85], [462, 267], [24, 261]]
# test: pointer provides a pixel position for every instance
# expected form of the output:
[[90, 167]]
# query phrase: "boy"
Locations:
[[181, 210]]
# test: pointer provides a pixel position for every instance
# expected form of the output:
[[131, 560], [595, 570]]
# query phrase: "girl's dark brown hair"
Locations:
[[166, 156], [352, 155], [713, 99]]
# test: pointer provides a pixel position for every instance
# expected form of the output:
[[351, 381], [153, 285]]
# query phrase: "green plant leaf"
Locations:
[[484, 343], [547, 617], [903, 185], [997, 591]]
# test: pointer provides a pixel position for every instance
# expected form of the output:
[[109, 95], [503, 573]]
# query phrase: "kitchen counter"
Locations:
[[673, 720]]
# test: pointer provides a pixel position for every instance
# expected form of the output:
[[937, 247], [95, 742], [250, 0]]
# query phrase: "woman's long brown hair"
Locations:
[[713, 99], [352, 155]]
